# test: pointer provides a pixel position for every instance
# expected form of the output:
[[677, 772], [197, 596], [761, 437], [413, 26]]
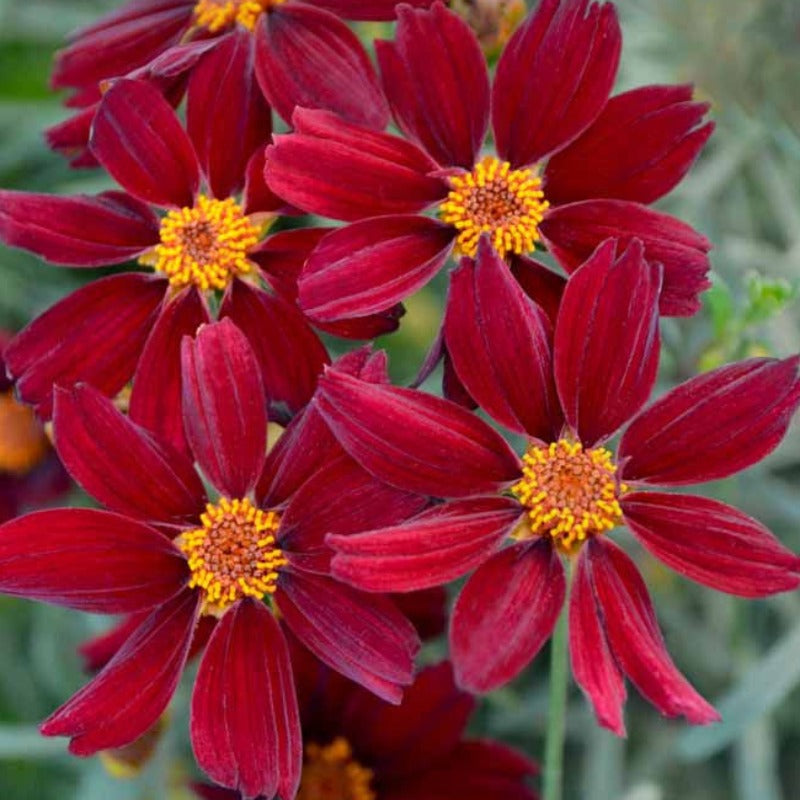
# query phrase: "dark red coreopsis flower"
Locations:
[[604, 161], [205, 244], [30, 472], [225, 52], [359, 748], [167, 548], [513, 520]]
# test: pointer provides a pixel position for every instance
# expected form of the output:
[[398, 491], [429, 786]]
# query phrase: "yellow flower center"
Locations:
[[23, 443], [233, 555], [508, 204], [569, 493], [204, 246], [331, 773], [216, 15]]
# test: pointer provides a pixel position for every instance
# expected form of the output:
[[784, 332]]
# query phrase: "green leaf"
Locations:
[[25, 742]]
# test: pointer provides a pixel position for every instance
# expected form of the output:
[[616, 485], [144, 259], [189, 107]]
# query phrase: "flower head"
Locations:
[[512, 520]]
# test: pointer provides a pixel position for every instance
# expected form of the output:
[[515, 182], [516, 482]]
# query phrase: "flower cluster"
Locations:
[[289, 518]]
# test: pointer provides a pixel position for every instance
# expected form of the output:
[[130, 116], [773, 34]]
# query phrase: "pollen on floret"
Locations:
[[234, 554], [204, 246], [331, 773], [23, 443], [570, 493], [217, 15], [507, 204]]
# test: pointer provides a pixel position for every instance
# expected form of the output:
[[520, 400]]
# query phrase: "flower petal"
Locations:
[[120, 464], [634, 637], [712, 543], [291, 357], [224, 407], [593, 665], [227, 118], [638, 149], [245, 723], [308, 57], [574, 231], [434, 548], [505, 613], [713, 425], [137, 137], [434, 74], [500, 345], [367, 10], [606, 341], [554, 77], [336, 169], [80, 231], [415, 441], [362, 636], [544, 286], [155, 401], [369, 266], [94, 335], [99, 650], [281, 257], [90, 560], [133, 690]]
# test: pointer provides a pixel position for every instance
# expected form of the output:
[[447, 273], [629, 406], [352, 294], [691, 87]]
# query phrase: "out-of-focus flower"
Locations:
[[360, 748], [290, 52], [606, 160], [30, 472], [492, 20], [568, 490], [168, 550]]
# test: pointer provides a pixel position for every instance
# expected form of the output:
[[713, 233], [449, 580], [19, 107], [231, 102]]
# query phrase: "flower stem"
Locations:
[[557, 707]]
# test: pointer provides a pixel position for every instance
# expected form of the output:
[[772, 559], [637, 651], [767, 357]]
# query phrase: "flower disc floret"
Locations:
[[204, 246], [233, 555], [23, 443], [508, 204], [570, 493], [331, 773], [216, 15]]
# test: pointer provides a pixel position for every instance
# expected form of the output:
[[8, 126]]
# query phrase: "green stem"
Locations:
[[557, 707]]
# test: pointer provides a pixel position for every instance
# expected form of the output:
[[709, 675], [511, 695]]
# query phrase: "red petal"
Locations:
[[593, 664], [95, 335], [713, 425], [99, 650], [336, 169], [638, 149], [369, 327], [712, 543], [131, 693], [291, 357], [500, 344], [435, 77], [258, 197], [90, 560], [415, 441], [81, 231], [281, 257], [554, 77], [540, 283], [138, 138], [308, 57], [155, 401], [368, 266], [574, 231], [634, 637], [120, 464], [70, 138], [362, 636], [434, 548], [505, 613], [245, 723], [425, 609], [224, 407], [367, 10], [227, 117], [606, 342]]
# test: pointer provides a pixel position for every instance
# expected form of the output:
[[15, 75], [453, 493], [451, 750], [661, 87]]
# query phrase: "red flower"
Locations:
[[360, 748], [606, 159], [130, 324], [568, 490], [232, 52], [164, 548]]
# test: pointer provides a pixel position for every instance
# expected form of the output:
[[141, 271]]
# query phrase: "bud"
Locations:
[[492, 20]]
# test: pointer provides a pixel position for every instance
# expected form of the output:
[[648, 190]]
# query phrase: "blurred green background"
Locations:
[[744, 57]]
